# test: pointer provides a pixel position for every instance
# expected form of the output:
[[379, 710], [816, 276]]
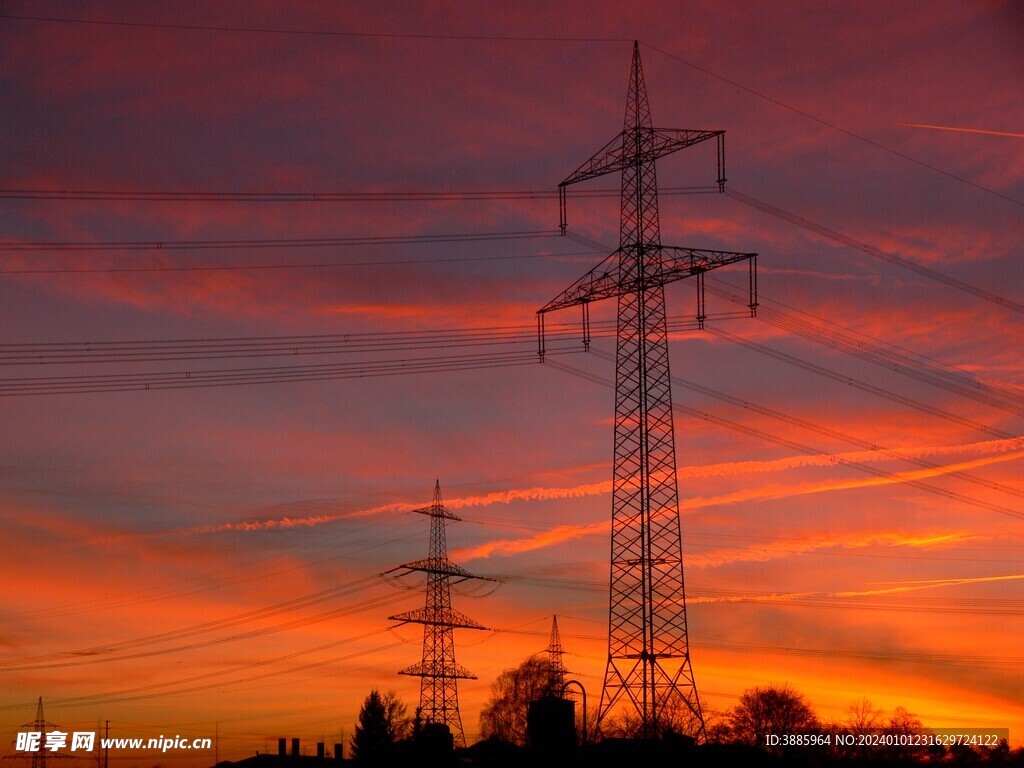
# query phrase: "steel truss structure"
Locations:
[[438, 670], [648, 679]]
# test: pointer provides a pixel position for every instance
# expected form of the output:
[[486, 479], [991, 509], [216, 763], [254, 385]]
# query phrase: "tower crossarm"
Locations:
[[678, 262], [449, 671], [622, 152], [437, 510], [439, 565], [441, 617], [604, 280]]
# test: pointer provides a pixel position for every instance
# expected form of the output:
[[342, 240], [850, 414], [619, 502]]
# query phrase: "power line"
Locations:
[[877, 253], [994, 607], [807, 450], [117, 698], [506, 38], [925, 369], [105, 697], [166, 350], [313, 32], [941, 659], [148, 691], [298, 242], [860, 384], [264, 267], [845, 437], [264, 374], [364, 605], [834, 127], [316, 598], [174, 589], [837, 434], [397, 196]]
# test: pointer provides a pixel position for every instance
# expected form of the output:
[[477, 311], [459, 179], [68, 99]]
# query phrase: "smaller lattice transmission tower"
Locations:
[[438, 670], [555, 653], [38, 726]]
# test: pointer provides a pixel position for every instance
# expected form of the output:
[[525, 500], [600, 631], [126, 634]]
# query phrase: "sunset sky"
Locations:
[[181, 557]]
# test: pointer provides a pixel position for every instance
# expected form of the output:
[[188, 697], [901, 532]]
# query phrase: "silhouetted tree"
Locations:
[[382, 722], [862, 717], [902, 722], [770, 710], [504, 715]]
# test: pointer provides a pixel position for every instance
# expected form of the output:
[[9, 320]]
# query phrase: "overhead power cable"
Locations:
[[837, 128], [804, 449], [155, 269], [152, 690], [364, 605], [216, 580], [499, 38], [993, 607], [837, 434], [878, 253], [114, 698], [247, 667], [517, 348], [166, 350], [298, 242], [925, 369], [864, 386], [266, 374], [316, 598], [313, 32], [397, 196], [942, 659], [866, 445]]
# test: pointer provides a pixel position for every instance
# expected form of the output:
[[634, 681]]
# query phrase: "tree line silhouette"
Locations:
[[386, 734]]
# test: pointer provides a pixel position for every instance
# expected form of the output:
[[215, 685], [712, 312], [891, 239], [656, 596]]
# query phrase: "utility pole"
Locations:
[[648, 669]]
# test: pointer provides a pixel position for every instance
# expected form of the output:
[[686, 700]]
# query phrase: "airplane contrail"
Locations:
[[961, 130]]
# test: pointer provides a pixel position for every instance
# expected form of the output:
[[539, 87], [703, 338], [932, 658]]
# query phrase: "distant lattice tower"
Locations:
[[40, 725], [438, 670], [555, 653]]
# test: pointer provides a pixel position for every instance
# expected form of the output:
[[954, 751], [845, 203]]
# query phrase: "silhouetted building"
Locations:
[[286, 758], [551, 725]]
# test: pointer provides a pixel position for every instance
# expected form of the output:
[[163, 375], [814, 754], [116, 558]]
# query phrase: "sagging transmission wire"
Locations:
[[279, 196], [804, 449], [878, 253], [181, 587], [94, 655], [835, 433], [926, 370]]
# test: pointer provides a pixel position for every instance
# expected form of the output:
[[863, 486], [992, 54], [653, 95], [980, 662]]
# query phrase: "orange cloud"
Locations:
[[1005, 451], [776, 549]]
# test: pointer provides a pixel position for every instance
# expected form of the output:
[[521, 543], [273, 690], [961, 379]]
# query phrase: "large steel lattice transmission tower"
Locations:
[[438, 670], [648, 678]]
